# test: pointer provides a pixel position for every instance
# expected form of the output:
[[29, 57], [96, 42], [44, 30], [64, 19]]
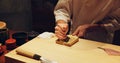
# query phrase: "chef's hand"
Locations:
[[61, 29], [80, 31]]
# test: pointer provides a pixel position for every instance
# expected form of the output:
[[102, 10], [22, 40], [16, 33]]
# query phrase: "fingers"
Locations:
[[64, 27], [76, 32], [61, 37], [79, 32], [59, 33], [61, 30]]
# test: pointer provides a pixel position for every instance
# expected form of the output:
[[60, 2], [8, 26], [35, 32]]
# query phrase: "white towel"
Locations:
[[46, 35]]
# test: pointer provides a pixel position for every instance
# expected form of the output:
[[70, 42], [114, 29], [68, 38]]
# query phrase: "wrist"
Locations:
[[61, 22]]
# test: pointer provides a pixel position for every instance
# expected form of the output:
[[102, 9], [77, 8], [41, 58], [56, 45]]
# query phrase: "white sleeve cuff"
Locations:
[[62, 15], [61, 18]]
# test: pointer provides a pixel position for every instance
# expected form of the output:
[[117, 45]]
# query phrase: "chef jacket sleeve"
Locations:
[[113, 23], [63, 10]]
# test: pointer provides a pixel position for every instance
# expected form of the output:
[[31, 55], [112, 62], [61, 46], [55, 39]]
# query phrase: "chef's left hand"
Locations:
[[80, 31]]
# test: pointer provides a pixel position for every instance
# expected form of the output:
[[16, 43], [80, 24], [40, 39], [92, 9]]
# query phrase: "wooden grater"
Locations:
[[71, 40]]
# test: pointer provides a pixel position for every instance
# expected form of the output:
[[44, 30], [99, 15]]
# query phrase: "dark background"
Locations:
[[28, 15], [32, 15], [42, 13]]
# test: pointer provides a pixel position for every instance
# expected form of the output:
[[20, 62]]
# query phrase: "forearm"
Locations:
[[113, 23], [61, 22], [112, 26]]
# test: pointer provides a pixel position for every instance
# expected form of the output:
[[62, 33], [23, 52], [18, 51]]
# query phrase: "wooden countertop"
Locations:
[[84, 51]]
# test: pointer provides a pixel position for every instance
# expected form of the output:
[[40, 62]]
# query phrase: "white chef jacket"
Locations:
[[81, 12]]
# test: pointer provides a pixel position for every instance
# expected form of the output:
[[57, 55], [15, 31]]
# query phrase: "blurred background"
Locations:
[[28, 15]]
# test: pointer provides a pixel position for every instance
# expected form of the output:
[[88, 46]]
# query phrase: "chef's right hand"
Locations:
[[61, 29]]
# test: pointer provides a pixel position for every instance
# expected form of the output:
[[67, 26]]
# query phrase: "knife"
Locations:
[[29, 54]]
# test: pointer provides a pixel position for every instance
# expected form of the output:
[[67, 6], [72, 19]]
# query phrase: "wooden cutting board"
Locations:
[[83, 51]]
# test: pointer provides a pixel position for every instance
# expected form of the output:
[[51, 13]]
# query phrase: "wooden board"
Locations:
[[84, 51]]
